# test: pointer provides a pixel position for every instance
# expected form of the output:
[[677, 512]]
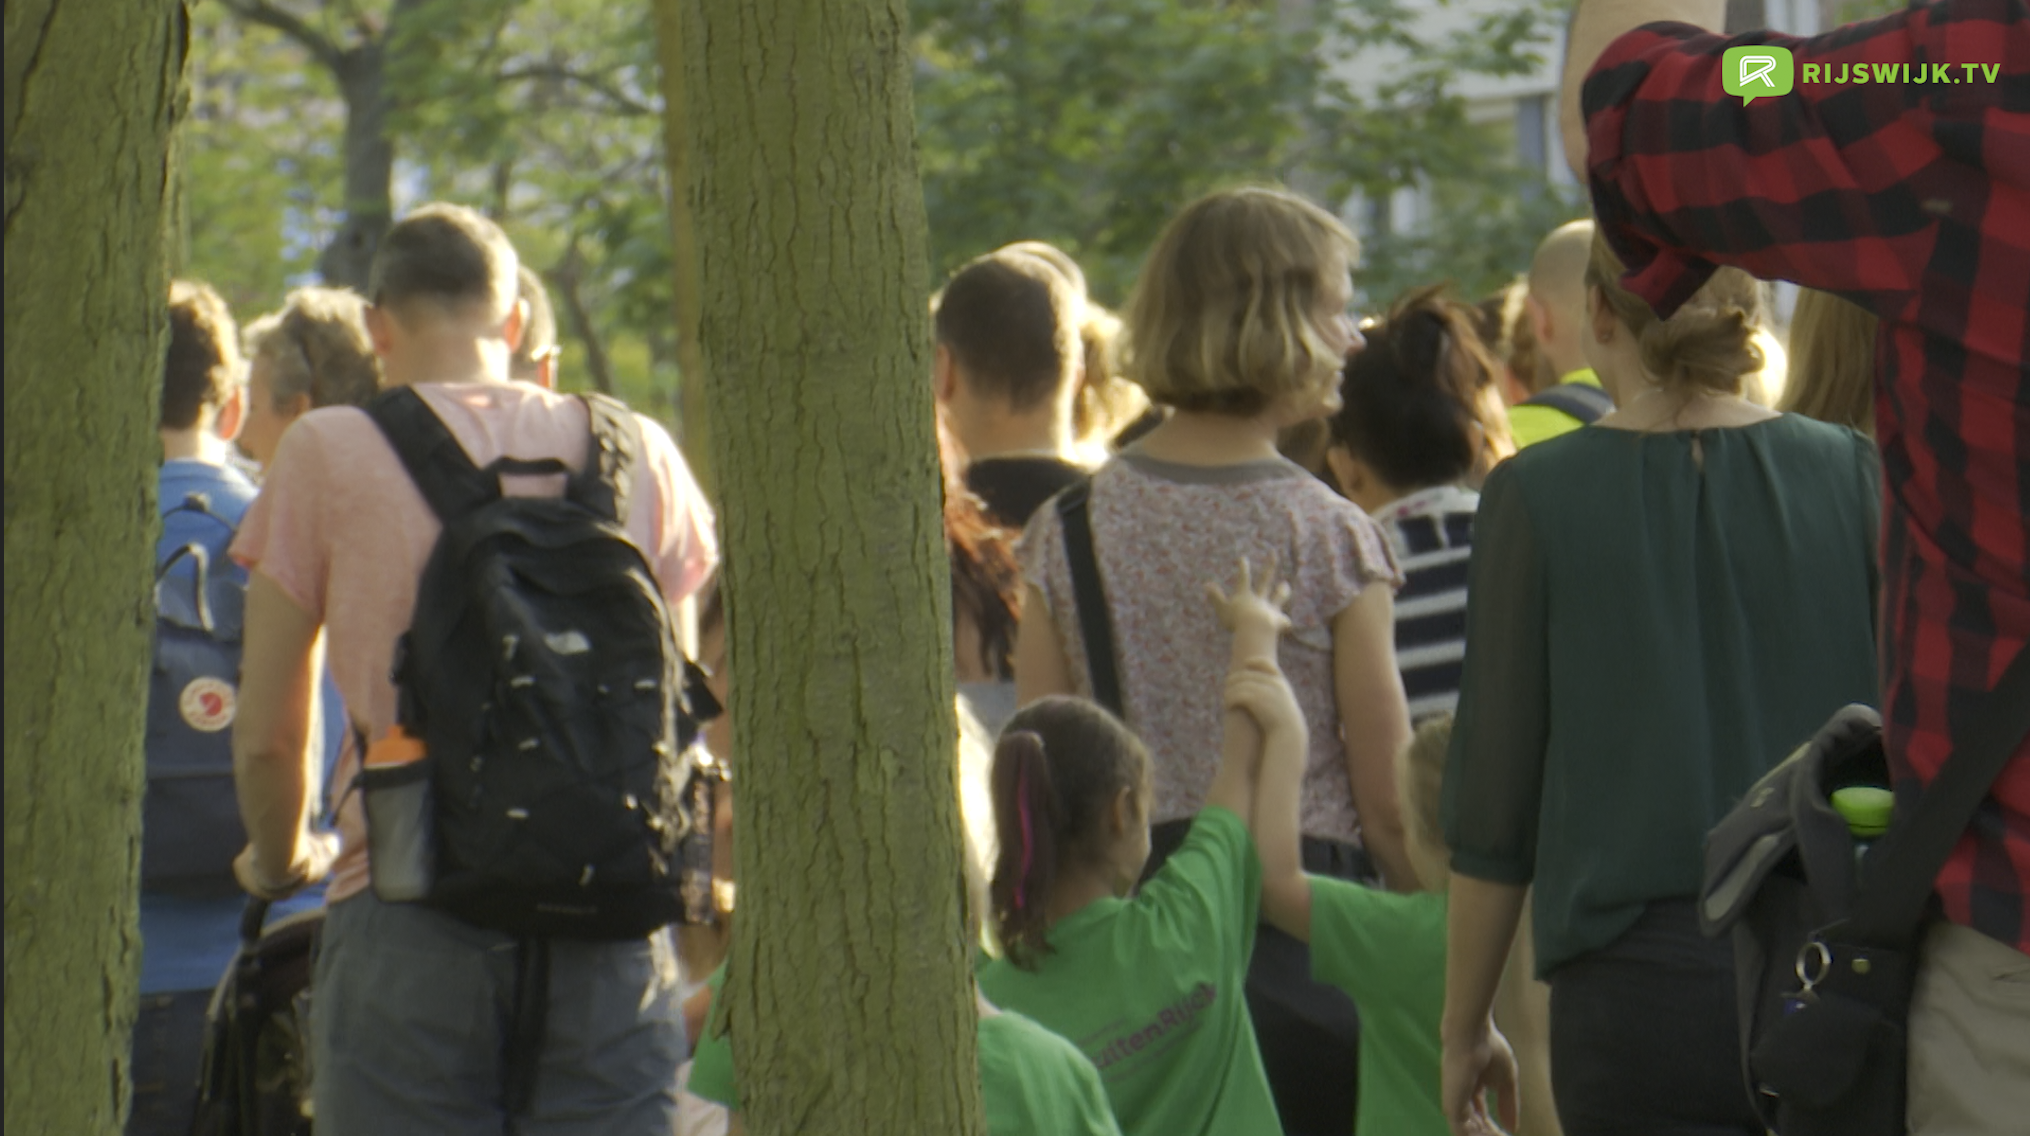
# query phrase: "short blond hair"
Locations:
[[317, 345], [1224, 318]]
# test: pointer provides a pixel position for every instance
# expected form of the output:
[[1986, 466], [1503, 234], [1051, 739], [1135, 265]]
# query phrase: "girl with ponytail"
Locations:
[[1148, 984]]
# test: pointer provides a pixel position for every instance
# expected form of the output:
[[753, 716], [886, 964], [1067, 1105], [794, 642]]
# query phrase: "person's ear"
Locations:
[[944, 375], [1126, 814], [511, 327], [1604, 319], [1347, 471], [232, 414], [299, 405], [381, 330]]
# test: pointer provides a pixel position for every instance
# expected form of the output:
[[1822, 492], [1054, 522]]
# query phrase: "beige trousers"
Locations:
[[1970, 1037]]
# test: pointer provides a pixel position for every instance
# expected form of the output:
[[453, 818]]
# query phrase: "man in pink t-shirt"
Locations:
[[412, 1005]]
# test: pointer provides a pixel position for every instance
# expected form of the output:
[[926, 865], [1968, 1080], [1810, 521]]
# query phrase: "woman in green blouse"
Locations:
[[1661, 606]]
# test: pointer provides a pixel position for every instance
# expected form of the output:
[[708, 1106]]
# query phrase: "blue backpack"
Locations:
[[190, 819]]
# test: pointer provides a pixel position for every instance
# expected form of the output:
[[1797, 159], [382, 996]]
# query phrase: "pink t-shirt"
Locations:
[[342, 530], [1161, 532]]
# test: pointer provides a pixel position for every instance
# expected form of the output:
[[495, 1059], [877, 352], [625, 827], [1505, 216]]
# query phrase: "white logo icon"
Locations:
[[1757, 68]]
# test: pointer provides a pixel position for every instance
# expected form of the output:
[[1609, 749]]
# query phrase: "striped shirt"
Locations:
[[1432, 533]]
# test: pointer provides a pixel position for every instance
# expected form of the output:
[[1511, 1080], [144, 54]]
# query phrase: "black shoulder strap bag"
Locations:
[[1834, 1057]]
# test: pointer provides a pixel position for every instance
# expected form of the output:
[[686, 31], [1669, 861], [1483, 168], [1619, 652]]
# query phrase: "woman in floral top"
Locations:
[[1239, 326]]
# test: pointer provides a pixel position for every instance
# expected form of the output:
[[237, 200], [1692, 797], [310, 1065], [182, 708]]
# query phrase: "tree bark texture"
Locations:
[[849, 983], [91, 95], [694, 415]]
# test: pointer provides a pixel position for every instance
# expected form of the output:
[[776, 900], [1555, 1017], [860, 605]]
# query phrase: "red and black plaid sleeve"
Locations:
[[1912, 199]]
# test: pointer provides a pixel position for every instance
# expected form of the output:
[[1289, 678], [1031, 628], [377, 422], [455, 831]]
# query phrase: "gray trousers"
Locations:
[[411, 1010]]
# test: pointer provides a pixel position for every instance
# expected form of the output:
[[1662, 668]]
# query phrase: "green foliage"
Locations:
[[262, 166], [1088, 122], [1084, 122]]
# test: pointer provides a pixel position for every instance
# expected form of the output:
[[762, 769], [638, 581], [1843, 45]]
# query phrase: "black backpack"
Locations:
[[190, 818], [542, 673], [1826, 944]]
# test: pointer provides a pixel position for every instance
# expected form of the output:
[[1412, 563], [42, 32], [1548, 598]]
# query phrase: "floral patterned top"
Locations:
[[1161, 532]]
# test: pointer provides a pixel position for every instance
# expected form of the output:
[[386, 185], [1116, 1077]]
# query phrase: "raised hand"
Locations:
[[1254, 612]]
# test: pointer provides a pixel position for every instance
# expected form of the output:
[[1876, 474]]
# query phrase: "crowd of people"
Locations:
[[1344, 702]]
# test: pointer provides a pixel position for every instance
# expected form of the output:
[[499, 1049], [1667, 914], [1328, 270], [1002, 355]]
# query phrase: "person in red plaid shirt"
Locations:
[[1911, 198]]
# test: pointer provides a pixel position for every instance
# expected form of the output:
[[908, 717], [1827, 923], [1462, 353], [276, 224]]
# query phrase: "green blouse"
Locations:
[[1653, 620]]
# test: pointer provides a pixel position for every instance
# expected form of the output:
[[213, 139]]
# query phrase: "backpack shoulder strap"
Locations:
[[612, 461], [1583, 401], [1095, 623], [439, 466], [1893, 899]]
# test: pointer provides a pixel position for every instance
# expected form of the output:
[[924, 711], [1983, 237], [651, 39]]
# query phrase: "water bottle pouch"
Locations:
[[401, 830]]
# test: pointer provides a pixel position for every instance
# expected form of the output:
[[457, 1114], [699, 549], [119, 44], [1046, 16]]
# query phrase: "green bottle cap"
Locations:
[[1866, 808]]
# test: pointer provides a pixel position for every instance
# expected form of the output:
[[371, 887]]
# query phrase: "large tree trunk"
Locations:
[[849, 981], [90, 103], [693, 414], [369, 167]]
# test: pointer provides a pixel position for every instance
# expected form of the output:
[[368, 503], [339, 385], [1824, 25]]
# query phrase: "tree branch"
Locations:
[[623, 103], [277, 18]]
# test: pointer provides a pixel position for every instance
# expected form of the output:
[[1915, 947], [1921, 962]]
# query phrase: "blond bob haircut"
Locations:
[[1832, 361], [1707, 345], [1225, 317]]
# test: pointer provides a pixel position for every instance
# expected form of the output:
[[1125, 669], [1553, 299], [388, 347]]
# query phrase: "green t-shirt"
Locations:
[[1388, 952], [712, 1056], [1032, 1082], [1150, 989]]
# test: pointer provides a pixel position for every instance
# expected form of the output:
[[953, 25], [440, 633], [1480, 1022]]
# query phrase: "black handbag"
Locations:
[[1826, 955], [1309, 1032]]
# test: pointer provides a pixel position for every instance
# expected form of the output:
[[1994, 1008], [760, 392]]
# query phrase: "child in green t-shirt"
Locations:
[[1386, 950], [1032, 1082], [1148, 985]]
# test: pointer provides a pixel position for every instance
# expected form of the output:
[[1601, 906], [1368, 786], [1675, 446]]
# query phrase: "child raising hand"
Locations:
[[1148, 983]]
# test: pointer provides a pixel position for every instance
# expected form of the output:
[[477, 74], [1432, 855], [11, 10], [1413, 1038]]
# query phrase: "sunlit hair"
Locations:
[[1707, 344], [1832, 361], [448, 257], [1057, 258], [1412, 396], [986, 579], [202, 363], [539, 326], [1058, 765], [317, 345], [1225, 317], [1505, 328], [1107, 402]]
